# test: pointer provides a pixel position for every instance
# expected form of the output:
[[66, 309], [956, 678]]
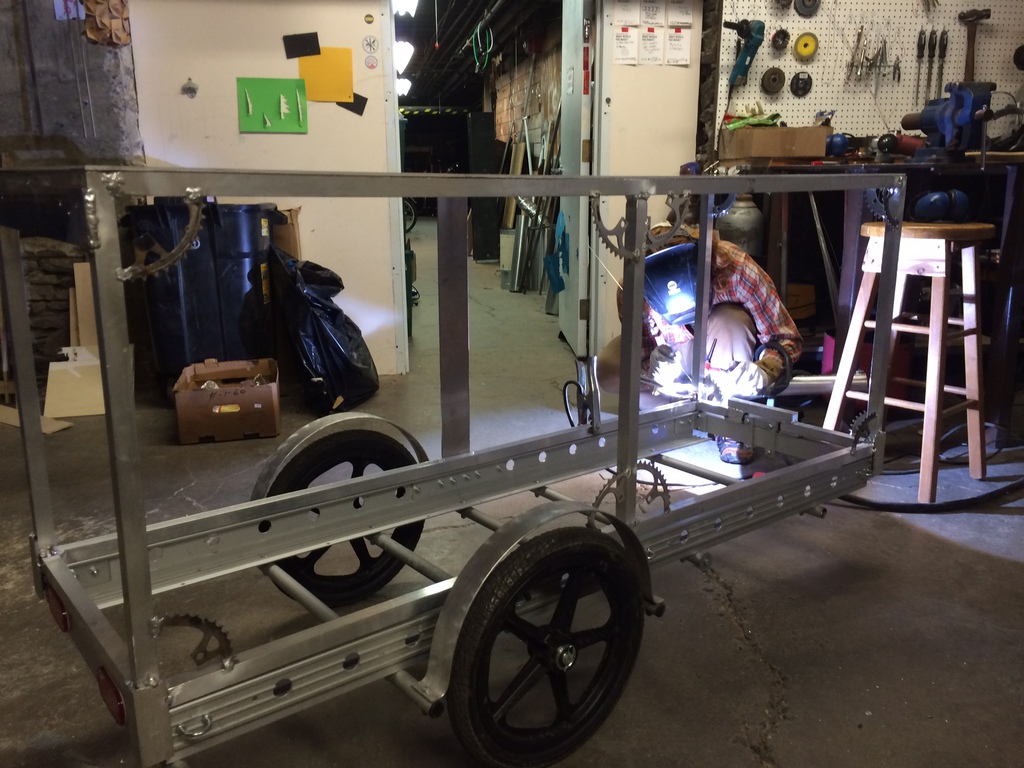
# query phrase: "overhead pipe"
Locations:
[[488, 14]]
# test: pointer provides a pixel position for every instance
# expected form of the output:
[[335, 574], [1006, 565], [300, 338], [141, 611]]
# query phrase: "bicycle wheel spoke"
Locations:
[[521, 684], [567, 601]]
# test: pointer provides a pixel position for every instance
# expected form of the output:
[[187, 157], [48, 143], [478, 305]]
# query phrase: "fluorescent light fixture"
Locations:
[[404, 6], [403, 54], [402, 85]]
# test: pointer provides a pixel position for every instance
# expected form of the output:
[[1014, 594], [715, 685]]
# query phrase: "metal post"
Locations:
[[453, 322], [629, 362], [15, 304]]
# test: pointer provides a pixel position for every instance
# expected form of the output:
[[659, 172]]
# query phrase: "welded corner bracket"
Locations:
[[140, 270]]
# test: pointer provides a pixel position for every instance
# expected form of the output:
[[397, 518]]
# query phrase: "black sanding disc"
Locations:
[[773, 80], [801, 84]]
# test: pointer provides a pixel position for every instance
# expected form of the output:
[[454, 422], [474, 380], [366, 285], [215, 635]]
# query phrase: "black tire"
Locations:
[[550, 707], [361, 450], [409, 212]]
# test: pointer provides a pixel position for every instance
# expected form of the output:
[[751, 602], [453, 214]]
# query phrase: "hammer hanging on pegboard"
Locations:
[[971, 19]]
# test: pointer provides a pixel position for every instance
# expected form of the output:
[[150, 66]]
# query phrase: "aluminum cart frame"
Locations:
[[171, 718]]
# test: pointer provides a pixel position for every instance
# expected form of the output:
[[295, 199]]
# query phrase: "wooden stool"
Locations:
[[925, 250]]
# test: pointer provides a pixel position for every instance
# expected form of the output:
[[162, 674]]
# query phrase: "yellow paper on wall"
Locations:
[[328, 76]]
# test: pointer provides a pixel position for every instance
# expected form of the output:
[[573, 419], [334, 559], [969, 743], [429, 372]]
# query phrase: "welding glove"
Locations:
[[747, 379], [666, 367]]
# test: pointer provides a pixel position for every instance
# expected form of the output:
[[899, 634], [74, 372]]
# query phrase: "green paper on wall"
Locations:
[[272, 105]]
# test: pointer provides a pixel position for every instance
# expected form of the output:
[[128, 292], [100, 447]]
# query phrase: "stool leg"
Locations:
[[848, 359], [934, 385], [972, 365]]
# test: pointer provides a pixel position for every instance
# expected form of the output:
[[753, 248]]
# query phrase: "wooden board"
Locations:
[[86, 312], [75, 388], [515, 168], [9, 416]]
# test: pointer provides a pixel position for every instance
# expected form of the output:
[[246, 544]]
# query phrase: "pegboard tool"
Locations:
[[932, 42], [921, 39], [971, 19], [943, 42], [806, 46]]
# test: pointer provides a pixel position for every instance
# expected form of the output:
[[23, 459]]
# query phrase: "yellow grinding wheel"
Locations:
[[806, 46]]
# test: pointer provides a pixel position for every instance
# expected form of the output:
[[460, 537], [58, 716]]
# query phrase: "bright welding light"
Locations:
[[402, 86], [404, 6]]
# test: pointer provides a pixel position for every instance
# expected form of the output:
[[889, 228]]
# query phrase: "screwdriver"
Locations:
[[932, 39], [920, 57], [943, 41]]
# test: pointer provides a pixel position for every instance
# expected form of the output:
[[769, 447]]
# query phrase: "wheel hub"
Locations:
[[565, 657]]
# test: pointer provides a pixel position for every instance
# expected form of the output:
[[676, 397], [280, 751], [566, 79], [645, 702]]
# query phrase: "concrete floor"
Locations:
[[865, 639]]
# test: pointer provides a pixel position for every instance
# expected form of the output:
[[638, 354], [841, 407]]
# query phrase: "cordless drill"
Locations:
[[752, 35]]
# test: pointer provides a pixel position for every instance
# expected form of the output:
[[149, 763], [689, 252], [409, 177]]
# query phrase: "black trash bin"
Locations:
[[215, 301]]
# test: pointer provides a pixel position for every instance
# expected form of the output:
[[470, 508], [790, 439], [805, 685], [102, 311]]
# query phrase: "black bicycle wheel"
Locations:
[[409, 211], [529, 685], [348, 572]]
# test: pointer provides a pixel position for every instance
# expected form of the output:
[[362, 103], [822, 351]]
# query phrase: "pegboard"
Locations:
[[858, 110]]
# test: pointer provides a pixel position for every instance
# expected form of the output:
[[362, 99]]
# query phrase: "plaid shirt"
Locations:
[[751, 287]]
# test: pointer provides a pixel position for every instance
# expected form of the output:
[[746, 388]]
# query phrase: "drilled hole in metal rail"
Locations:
[[358, 502], [573, 449], [683, 535], [780, 502], [807, 491], [314, 514], [542, 456], [718, 523], [283, 687], [510, 464], [601, 442], [400, 492], [412, 639], [264, 526], [750, 512], [350, 661], [655, 429], [835, 482]]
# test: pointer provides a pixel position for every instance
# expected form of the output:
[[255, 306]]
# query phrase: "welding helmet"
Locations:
[[670, 282]]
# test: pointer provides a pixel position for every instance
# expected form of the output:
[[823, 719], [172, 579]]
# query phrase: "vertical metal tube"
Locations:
[[453, 322], [15, 303], [705, 255], [883, 320], [122, 436], [629, 362]]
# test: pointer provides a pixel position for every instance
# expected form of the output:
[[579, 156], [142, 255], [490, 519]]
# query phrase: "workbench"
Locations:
[[1003, 313]]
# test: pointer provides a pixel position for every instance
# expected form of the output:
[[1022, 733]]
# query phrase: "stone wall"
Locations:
[[49, 274]]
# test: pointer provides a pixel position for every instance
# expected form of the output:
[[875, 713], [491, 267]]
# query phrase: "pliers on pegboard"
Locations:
[[931, 5], [897, 73]]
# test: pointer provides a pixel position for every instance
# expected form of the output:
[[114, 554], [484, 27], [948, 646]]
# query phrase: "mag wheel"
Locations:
[[350, 571], [546, 649]]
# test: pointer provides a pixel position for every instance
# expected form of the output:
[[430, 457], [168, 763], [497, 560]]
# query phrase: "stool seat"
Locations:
[[926, 251], [955, 232]]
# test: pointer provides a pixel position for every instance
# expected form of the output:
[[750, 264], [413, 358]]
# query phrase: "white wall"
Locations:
[[213, 43], [647, 126]]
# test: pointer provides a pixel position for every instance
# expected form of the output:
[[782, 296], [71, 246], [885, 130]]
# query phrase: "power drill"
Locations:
[[752, 35]]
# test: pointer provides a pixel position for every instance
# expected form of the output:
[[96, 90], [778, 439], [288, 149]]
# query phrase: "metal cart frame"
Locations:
[[170, 719]]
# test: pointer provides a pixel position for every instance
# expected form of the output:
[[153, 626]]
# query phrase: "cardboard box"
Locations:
[[286, 235], [236, 406], [772, 141]]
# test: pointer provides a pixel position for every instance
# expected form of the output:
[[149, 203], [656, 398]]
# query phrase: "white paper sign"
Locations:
[[626, 42], [652, 13], [677, 46], [679, 13], [652, 46], [626, 13]]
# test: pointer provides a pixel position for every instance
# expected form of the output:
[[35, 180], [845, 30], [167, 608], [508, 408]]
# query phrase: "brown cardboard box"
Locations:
[[286, 236], [236, 409], [772, 141]]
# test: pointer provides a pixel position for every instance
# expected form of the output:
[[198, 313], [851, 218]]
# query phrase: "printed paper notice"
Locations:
[[652, 13], [626, 41], [679, 13], [626, 13], [652, 46], [677, 46]]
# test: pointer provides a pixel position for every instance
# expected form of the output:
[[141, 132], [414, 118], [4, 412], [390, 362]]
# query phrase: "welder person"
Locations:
[[746, 313]]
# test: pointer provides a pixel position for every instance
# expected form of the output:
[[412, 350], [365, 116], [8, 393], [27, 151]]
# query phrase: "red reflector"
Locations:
[[111, 696], [60, 615]]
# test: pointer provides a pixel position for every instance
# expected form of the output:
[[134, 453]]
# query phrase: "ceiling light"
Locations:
[[404, 6], [403, 54], [402, 85]]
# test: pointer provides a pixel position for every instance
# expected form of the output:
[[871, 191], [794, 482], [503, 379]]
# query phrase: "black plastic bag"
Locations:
[[337, 368]]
